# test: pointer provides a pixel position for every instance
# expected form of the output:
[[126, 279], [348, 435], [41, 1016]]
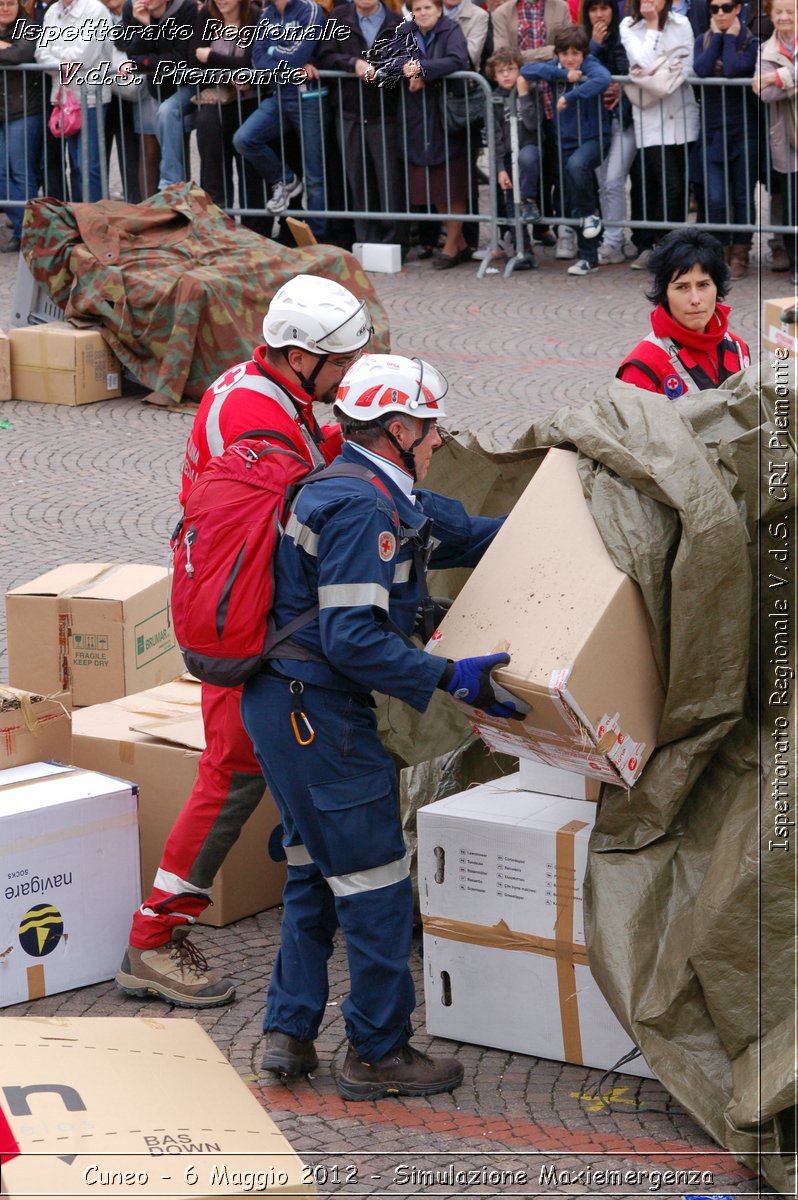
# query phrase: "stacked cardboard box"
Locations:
[[33, 727], [56, 363], [69, 861], [779, 335], [133, 1107], [505, 962], [155, 739], [96, 630]]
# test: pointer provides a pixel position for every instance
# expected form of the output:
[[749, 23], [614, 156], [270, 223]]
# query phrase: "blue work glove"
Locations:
[[469, 680]]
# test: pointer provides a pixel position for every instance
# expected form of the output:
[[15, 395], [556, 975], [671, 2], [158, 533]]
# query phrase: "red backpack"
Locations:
[[222, 552]]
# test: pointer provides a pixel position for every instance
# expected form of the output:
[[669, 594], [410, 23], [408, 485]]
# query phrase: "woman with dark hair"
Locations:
[[690, 347], [21, 117], [602, 22], [438, 162], [659, 41], [222, 108]]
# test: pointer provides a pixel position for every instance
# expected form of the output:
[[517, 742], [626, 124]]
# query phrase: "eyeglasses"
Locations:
[[724, 8]]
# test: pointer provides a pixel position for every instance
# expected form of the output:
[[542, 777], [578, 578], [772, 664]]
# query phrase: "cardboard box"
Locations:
[[55, 363], [97, 630], [385, 257], [155, 739], [5, 366], [133, 1107], [551, 781], [777, 334], [69, 865], [505, 965], [547, 592], [33, 728]]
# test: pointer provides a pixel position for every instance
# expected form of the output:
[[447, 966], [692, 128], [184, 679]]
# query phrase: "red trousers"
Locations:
[[229, 788]]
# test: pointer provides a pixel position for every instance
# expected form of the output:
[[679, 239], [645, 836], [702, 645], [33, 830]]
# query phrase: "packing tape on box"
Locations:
[[24, 703], [99, 576], [566, 953], [16, 700], [87, 829]]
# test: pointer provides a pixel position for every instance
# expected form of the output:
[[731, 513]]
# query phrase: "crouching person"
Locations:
[[356, 546]]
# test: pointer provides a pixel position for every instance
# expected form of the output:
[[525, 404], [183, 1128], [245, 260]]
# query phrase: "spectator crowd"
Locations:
[[392, 136]]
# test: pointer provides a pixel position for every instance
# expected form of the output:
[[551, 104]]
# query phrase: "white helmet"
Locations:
[[378, 384], [317, 315]]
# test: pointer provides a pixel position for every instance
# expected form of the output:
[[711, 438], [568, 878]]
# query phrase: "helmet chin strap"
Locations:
[[407, 454], [308, 382]]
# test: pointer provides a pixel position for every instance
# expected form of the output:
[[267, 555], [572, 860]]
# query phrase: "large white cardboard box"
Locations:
[[576, 629], [133, 1107], [505, 964], [69, 878]]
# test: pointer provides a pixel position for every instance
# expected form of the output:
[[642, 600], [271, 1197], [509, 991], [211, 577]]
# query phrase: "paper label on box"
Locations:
[[90, 649], [154, 637], [112, 380]]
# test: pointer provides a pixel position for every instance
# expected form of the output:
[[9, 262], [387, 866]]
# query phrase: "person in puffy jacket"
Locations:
[[690, 347]]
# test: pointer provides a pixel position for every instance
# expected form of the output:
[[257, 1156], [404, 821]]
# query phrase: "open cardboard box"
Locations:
[[576, 629], [155, 739]]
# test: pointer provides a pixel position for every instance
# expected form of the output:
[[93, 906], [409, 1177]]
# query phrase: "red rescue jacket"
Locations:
[[673, 360]]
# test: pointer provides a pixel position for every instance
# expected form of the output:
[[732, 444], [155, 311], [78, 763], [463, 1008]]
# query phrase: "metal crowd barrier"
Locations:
[[352, 189]]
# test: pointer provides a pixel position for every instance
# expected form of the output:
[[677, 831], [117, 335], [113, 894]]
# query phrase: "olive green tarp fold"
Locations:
[[690, 910]]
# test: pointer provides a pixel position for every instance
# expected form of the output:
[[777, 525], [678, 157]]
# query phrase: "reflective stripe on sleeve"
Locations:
[[370, 881], [165, 881], [402, 571], [302, 536], [297, 856], [352, 595]]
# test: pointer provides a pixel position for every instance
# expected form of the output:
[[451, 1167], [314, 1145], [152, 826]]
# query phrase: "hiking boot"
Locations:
[[176, 972], [403, 1072], [288, 1056]]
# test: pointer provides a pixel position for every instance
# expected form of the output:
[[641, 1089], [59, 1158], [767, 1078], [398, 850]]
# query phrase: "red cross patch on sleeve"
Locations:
[[386, 546]]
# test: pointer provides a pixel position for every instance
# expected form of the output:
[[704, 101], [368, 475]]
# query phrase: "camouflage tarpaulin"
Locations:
[[179, 289], [690, 896]]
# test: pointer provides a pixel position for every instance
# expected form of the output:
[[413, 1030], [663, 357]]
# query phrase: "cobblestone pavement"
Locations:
[[99, 482]]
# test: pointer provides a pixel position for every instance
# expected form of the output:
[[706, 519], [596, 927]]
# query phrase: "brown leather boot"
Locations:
[[403, 1072], [288, 1056], [738, 261]]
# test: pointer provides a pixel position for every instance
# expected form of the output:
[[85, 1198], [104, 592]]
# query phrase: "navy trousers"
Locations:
[[339, 804]]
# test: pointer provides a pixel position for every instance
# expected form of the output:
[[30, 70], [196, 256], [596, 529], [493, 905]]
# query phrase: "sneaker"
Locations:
[[591, 226], [176, 972], [403, 1072], [566, 242], [288, 1056], [529, 212], [583, 267], [641, 262], [610, 254], [282, 193]]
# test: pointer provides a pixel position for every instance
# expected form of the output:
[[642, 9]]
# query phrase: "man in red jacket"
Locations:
[[314, 330], [690, 347]]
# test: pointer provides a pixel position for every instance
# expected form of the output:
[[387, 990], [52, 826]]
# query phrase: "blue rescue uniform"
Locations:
[[348, 547]]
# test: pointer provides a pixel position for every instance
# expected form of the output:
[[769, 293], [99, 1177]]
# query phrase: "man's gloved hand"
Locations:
[[469, 680]]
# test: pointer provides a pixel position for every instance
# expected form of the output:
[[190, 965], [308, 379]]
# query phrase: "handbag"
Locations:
[[462, 105], [222, 93], [65, 118], [654, 83]]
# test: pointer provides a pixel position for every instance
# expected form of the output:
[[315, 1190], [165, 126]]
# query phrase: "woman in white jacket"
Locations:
[[653, 36], [88, 46]]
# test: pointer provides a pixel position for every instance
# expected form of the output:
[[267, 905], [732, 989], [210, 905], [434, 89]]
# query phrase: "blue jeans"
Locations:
[[580, 190], [92, 116], [730, 189], [176, 116], [20, 164], [305, 116]]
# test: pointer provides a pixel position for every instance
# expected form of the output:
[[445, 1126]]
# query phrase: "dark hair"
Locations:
[[614, 31], [571, 37], [663, 16], [503, 57], [678, 253], [246, 17], [369, 433]]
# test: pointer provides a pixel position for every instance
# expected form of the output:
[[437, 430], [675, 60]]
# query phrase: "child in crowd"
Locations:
[[582, 132], [504, 66]]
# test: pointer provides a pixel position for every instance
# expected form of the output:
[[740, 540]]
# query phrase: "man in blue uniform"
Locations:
[[356, 545]]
